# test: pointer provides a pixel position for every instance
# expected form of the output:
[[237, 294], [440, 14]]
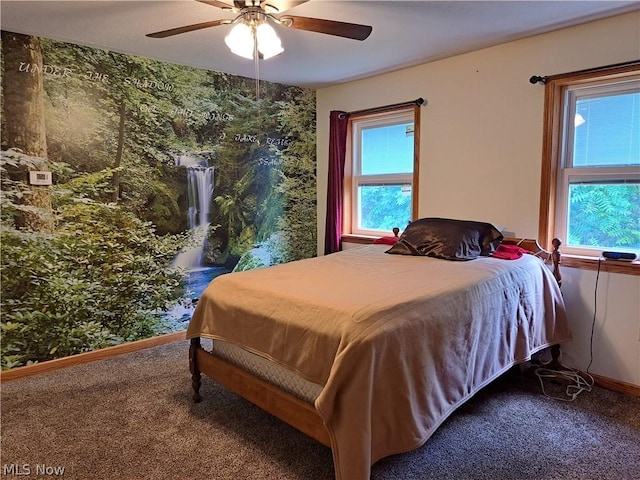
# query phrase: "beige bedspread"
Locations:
[[398, 341]]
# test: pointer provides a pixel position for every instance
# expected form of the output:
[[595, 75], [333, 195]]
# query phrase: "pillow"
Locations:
[[448, 239]]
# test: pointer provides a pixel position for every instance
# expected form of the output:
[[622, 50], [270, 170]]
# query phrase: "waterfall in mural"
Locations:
[[200, 182], [199, 190]]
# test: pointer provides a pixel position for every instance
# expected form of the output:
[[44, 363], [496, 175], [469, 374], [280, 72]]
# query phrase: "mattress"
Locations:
[[268, 371]]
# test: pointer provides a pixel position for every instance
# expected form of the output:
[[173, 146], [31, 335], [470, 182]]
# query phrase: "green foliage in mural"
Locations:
[[100, 279], [298, 186], [115, 127]]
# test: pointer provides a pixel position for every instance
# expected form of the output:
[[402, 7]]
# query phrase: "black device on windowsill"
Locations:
[[623, 256]]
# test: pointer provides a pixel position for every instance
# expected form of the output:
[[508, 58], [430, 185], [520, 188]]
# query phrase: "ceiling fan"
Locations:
[[252, 29]]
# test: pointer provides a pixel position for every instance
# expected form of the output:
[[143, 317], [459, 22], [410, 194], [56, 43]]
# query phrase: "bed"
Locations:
[[369, 352]]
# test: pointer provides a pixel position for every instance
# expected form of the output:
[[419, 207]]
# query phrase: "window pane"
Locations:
[[604, 216], [607, 131], [382, 207], [387, 149]]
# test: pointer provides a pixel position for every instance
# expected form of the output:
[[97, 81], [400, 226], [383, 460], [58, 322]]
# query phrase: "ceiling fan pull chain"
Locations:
[[256, 60]]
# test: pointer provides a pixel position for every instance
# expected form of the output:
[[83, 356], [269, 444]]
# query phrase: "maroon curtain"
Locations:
[[337, 150]]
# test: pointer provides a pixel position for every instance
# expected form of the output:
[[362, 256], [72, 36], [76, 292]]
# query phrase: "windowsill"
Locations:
[[591, 263], [566, 260], [363, 239]]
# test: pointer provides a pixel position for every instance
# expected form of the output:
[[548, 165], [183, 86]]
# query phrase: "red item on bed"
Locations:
[[509, 252], [386, 240]]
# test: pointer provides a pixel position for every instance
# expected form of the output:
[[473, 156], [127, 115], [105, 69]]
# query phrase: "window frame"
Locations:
[[353, 177], [553, 175]]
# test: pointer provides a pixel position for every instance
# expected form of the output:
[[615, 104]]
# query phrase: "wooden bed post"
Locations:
[[193, 367], [555, 256], [555, 364]]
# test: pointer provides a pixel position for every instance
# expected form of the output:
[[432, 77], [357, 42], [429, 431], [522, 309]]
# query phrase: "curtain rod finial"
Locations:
[[537, 79]]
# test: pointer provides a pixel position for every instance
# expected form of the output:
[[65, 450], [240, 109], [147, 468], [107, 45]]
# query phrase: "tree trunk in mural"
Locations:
[[118, 161], [23, 95]]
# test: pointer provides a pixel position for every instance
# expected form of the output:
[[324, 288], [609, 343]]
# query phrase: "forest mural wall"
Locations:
[[162, 177]]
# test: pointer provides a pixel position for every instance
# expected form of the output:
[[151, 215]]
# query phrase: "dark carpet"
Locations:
[[131, 417]]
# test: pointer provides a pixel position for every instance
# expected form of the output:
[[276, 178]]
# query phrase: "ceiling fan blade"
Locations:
[[279, 6], [330, 27], [188, 28], [216, 3]]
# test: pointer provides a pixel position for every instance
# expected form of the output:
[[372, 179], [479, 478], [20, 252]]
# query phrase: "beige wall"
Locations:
[[481, 143]]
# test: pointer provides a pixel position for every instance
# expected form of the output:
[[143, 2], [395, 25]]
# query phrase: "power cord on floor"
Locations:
[[578, 382]]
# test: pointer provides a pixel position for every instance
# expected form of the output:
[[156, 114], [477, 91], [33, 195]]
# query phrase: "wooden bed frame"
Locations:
[[290, 409]]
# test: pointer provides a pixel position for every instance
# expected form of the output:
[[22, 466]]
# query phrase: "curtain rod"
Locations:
[[417, 102], [539, 79]]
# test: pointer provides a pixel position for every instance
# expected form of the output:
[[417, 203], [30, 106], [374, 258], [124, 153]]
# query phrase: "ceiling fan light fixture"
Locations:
[[269, 43], [252, 32], [240, 40]]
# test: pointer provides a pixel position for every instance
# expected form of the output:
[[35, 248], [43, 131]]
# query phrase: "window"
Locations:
[[591, 164], [382, 184]]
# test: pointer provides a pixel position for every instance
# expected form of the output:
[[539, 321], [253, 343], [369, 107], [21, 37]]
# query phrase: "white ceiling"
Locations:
[[405, 33]]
